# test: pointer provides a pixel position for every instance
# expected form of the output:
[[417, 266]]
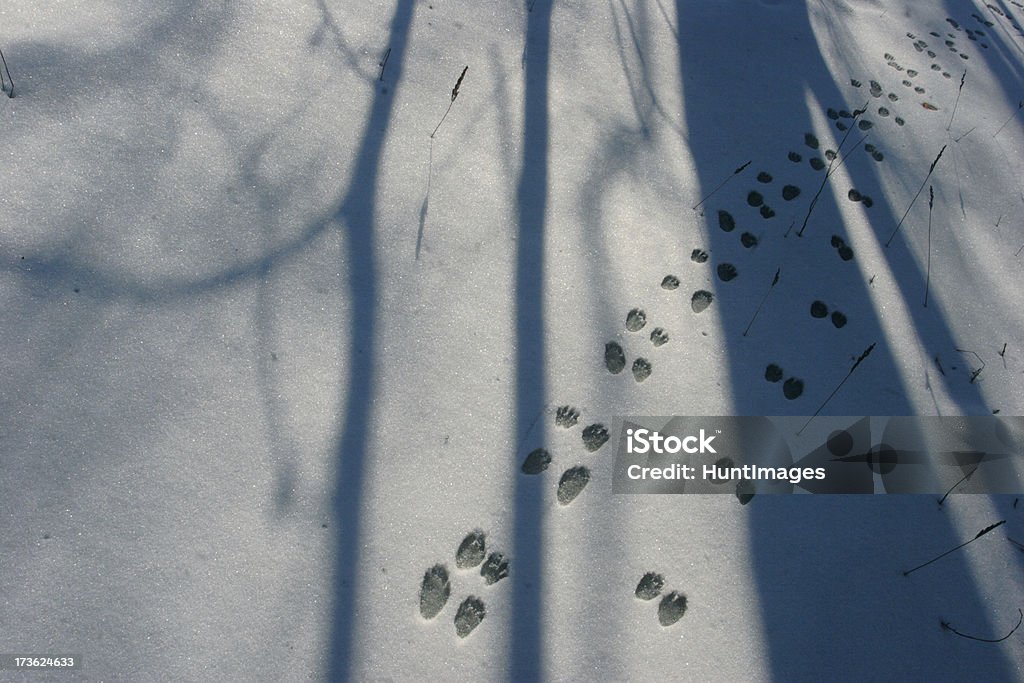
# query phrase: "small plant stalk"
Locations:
[[1020, 619], [953, 550], [962, 480], [928, 274], [860, 359], [921, 189], [721, 185], [957, 102], [10, 92], [775, 281], [455, 93], [830, 170], [1020, 105]]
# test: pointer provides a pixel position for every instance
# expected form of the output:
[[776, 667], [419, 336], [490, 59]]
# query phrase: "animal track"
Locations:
[[471, 551], [755, 199], [795, 158], [748, 240], [670, 282], [614, 357], [650, 586], [671, 609], [820, 310], [792, 388], [725, 221], [699, 256], [873, 151], [572, 483], [845, 252], [790, 192], [700, 300], [726, 272], [745, 491], [764, 177], [434, 591], [810, 140], [595, 436], [641, 369], [635, 320], [494, 569], [471, 613], [436, 586], [659, 336], [773, 373], [536, 462], [567, 416]]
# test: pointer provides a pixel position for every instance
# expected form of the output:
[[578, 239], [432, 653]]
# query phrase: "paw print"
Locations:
[[636, 319], [436, 587], [672, 606], [567, 416], [573, 480]]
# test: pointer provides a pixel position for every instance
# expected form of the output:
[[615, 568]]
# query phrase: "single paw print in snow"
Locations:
[[572, 483], [614, 357], [650, 586], [471, 613], [434, 591], [436, 586], [537, 461], [635, 320], [471, 551], [595, 436], [641, 369], [567, 416]]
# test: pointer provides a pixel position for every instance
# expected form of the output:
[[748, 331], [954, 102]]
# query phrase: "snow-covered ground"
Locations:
[[270, 351]]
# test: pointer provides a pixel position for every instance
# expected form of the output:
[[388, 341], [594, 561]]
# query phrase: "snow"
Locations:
[[270, 352]]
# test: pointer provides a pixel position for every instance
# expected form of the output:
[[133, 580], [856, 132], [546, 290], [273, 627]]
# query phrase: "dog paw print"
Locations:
[[636, 319], [672, 606], [436, 587]]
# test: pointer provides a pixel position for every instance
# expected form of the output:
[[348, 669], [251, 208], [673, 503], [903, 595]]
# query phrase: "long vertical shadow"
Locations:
[[797, 616], [526, 644], [357, 213]]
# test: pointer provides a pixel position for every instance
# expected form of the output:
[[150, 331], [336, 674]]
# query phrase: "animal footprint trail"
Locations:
[[436, 587]]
